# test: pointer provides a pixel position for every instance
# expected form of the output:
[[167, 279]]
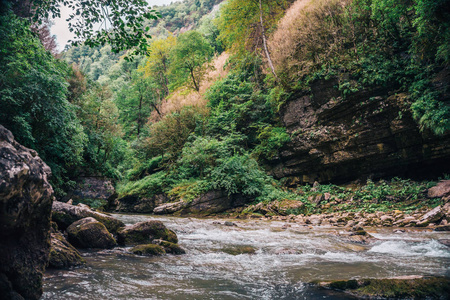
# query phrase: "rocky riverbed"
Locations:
[[252, 259]]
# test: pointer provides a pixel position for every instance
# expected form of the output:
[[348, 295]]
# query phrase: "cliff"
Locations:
[[367, 134]]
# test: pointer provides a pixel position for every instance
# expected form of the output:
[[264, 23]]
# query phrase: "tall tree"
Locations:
[[190, 58]]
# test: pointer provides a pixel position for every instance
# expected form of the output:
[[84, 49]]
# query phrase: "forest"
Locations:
[[200, 110]]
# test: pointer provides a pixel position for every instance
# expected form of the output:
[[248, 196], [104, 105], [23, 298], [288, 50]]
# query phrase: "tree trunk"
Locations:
[[266, 50]]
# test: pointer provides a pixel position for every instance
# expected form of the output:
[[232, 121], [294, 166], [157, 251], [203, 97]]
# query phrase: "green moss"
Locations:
[[148, 250], [239, 249]]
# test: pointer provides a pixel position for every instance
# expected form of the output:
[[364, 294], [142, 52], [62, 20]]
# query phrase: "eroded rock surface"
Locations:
[[62, 254], [25, 206], [65, 214], [138, 204], [370, 133]]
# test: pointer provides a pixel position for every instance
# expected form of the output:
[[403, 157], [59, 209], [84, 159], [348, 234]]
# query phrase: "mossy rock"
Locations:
[[145, 233], [171, 248], [90, 233], [62, 254], [239, 249], [395, 288], [148, 250]]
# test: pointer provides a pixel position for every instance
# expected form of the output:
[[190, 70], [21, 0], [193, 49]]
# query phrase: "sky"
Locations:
[[61, 31]]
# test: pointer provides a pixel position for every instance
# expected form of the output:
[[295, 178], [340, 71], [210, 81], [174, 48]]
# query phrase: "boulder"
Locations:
[[209, 203], [65, 214], [148, 250], [432, 216], [170, 208], [62, 254], [139, 204], [25, 207], [169, 247], [144, 233], [90, 233], [442, 189]]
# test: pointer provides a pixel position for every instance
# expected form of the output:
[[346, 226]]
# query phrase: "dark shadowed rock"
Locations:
[[25, 206], [90, 233], [144, 233], [62, 254], [65, 214]]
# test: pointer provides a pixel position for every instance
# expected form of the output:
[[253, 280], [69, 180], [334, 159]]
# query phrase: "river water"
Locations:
[[284, 262]]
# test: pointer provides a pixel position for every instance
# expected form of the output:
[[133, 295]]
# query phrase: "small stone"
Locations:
[[228, 223], [148, 250]]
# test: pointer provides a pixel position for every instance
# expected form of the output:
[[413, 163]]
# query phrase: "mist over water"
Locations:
[[283, 264]]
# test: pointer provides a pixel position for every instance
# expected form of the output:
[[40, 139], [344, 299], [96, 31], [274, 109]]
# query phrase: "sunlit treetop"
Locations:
[[119, 23]]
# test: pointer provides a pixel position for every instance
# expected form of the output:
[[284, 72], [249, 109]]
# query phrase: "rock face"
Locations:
[[65, 214], [90, 233], [25, 206], [62, 254], [92, 188], [368, 134], [208, 203], [145, 233]]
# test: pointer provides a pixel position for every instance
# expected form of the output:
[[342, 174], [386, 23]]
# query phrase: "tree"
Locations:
[[136, 101], [251, 20], [120, 21], [158, 62], [190, 58]]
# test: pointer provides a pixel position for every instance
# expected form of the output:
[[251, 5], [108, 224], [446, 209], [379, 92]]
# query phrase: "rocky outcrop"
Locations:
[[25, 206], [62, 254], [65, 214], [144, 233], [370, 133], [90, 233], [138, 204], [209, 203]]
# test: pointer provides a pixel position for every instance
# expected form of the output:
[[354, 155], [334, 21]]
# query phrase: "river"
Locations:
[[285, 260]]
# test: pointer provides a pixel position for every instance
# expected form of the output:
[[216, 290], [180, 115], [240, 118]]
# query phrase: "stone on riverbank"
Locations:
[[90, 233], [144, 233], [62, 254], [65, 214], [409, 287], [25, 208]]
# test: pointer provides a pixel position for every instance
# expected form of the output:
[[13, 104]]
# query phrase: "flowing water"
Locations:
[[285, 260]]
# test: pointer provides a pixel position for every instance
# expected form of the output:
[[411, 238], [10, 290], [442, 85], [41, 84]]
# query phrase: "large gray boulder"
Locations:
[[25, 208], [65, 214], [90, 233]]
